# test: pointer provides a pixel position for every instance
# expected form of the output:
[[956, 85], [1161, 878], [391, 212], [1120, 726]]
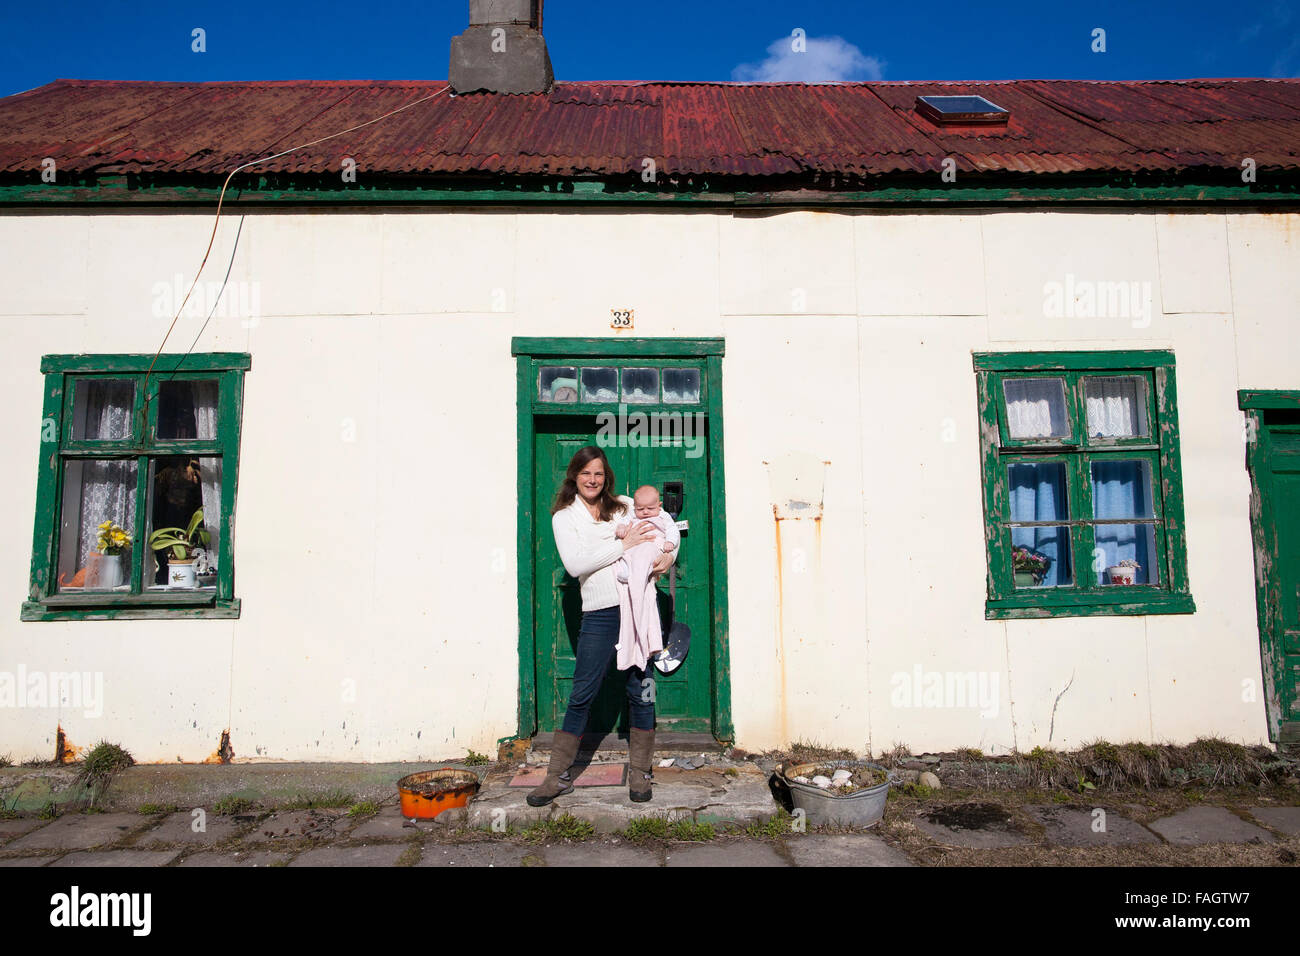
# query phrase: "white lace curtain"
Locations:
[[1116, 406], [1036, 407], [205, 420]]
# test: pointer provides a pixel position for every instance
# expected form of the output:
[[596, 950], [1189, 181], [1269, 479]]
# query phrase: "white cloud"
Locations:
[[825, 60]]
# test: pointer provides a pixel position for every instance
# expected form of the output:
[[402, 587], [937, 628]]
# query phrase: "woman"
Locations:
[[583, 518]]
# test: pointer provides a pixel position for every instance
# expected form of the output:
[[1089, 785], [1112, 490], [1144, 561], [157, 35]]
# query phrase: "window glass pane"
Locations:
[[1125, 554], [1038, 493], [101, 408], [1036, 408], [1121, 489], [1040, 556], [92, 555], [180, 485], [558, 384], [600, 384], [187, 410], [681, 386], [641, 386], [1117, 406]]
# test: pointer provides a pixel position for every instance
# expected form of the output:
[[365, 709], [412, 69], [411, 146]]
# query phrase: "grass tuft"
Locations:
[[233, 806], [104, 762], [564, 827]]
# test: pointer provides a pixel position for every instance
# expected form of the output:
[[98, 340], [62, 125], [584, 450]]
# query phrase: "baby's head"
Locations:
[[646, 500]]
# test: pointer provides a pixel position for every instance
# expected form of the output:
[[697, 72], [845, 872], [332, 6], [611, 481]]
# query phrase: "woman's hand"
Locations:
[[640, 534]]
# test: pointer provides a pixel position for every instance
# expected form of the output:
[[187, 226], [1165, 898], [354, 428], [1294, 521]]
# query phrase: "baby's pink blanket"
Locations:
[[639, 633]]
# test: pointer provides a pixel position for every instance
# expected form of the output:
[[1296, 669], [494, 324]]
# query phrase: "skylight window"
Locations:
[[960, 109]]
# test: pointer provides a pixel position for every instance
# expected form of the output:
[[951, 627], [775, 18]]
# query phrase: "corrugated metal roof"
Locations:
[[790, 130]]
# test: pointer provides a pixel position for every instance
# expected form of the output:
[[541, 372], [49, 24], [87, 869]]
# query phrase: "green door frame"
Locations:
[[525, 350], [1263, 534]]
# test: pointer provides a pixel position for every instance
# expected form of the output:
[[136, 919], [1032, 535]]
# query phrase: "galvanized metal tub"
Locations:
[[862, 808]]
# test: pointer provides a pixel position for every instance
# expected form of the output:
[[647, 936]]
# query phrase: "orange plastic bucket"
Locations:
[[428, 793]]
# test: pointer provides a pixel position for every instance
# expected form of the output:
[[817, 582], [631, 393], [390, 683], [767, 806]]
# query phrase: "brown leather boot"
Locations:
[[564, 750], [640, 754]]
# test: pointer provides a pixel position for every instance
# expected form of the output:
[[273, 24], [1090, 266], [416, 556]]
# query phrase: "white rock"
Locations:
[[928, 779], [821, 781], [667, 762], [840, 777], [802, 780]]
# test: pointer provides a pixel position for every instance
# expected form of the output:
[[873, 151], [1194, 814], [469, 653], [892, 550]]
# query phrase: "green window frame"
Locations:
[[1077, 452], [47, 600]]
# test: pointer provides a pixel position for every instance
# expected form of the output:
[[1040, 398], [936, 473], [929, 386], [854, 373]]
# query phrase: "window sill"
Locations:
[[136, 607], [1088, 605]]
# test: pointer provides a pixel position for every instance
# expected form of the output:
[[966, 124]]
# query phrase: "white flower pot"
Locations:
[[180, 574], [1118, 575], [104, 571]]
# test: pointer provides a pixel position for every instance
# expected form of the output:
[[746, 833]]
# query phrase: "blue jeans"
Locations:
[[596, 640]]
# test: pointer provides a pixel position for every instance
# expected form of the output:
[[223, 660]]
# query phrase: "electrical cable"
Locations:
[[215, 301], [221, 199]]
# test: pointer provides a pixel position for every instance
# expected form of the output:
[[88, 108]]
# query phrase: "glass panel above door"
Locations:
[[558, 383]]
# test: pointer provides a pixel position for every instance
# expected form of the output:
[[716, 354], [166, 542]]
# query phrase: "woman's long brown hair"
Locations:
[[609, 505]]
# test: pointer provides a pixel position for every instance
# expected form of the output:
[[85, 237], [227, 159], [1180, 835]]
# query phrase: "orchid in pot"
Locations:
[[104, 566], [182, 542], [1030, 567]]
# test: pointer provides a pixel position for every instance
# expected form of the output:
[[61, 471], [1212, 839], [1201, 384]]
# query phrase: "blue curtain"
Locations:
[[1121, 489], [1038, 494]]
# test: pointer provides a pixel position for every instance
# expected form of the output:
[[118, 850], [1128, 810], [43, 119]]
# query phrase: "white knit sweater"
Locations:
[[589, 550]]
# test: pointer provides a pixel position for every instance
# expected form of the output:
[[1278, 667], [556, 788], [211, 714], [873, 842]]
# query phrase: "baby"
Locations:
[[640, 636]]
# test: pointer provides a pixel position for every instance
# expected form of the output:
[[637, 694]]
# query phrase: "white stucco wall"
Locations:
[[379, 425]]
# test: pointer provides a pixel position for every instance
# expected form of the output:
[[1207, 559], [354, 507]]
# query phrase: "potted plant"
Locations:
[[104, 567], [1123, 572], [1030, 566], [183, 542]]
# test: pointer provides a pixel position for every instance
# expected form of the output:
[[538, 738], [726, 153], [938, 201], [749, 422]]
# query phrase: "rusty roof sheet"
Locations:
[[831, 131]]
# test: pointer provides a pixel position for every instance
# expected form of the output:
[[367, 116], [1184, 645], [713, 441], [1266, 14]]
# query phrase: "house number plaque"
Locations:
[[621, 318]]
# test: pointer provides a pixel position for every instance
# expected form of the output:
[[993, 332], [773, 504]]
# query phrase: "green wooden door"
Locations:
[[1275, 468], [683, 699]]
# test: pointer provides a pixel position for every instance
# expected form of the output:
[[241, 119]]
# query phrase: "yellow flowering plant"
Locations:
[[113, 539]]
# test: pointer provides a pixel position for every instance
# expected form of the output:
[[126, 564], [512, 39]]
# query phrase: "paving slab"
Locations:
[[977, 826], [724, 854], [383, 854], [290, 825], [599, 854], [17, 827], [80, 831], [480, 854], [1286, 819], [810, 849], [234, 858], [1074, 826], [1198, 825], [118, 858], [389, 823], [179, 828]]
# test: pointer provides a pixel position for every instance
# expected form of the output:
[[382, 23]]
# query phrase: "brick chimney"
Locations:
[[503, 50]]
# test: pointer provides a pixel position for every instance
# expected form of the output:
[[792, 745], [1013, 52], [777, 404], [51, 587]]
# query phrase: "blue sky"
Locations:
[[722, 40]]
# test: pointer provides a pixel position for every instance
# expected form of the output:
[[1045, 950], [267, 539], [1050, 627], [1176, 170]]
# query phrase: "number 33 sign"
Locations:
[[621, 318]]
